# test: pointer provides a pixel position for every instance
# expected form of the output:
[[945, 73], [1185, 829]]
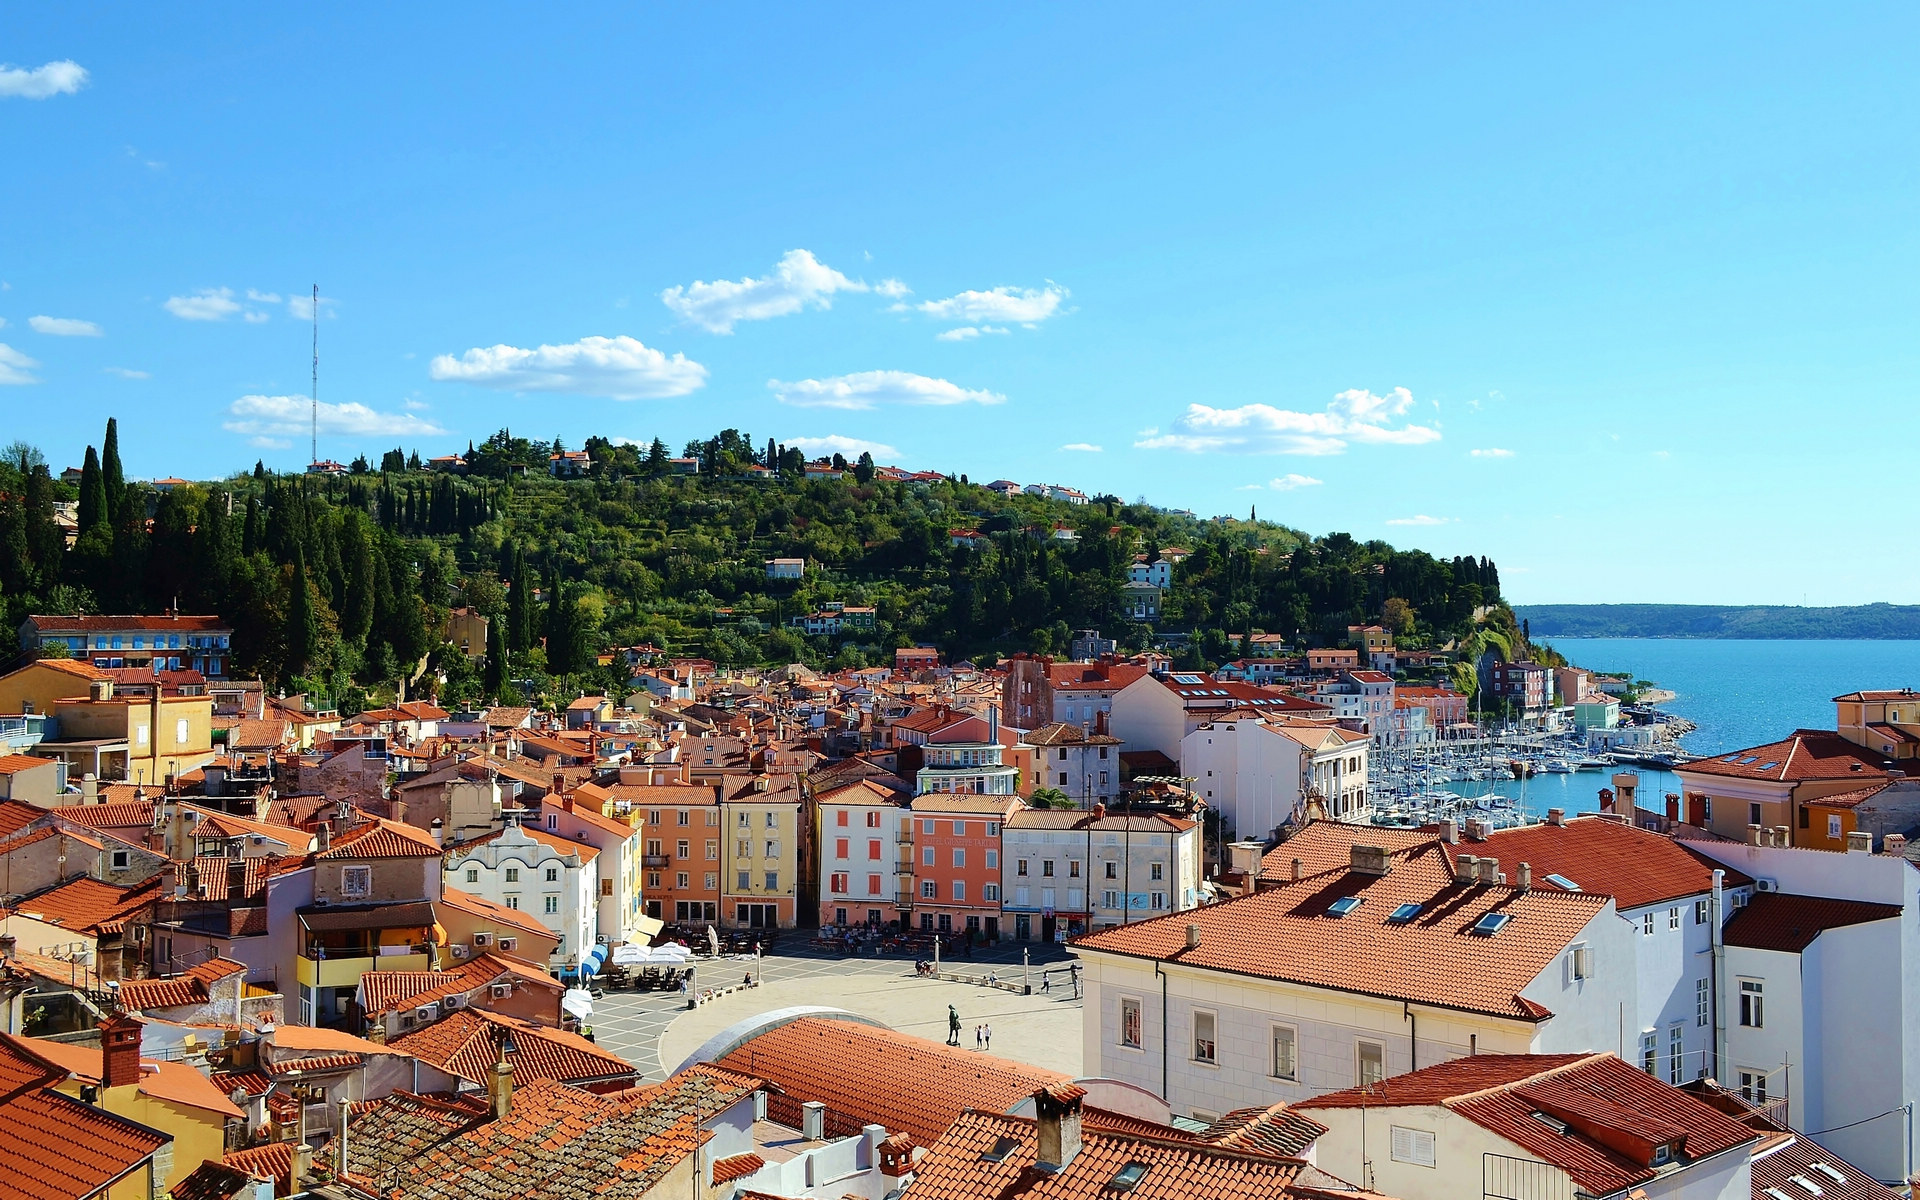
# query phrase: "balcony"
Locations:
[[903, 899], [903, 837], [654, 862]]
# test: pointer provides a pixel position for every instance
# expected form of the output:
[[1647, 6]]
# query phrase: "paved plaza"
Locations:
[[655, 1030]]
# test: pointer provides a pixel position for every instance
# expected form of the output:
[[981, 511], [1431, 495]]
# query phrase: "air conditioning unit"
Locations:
[[458, 950], [427, 1012], [1766, 885], [500, 991], [482, 939], [512, 943], [457, 1000]]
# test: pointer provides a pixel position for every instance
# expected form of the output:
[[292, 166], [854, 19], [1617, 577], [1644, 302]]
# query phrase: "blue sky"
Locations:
[[1624, 299]]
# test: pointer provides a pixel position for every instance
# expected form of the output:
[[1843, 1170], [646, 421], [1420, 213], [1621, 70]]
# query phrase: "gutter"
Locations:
[[1716, 903]]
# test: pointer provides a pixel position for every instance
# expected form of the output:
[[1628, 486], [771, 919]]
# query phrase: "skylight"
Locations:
[[1001, 1149], [1749, 758], [1189, 680], [1344, 905], [1808, 1185], [1563, 883], [1731, 758], [1491, 924], [1768, 766], [1827, 1170], [1128, 1177], [1403, 914], [1553, 1123]]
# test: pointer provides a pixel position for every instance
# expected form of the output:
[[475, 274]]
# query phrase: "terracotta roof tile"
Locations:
[[1289, 933], [189, 987], [737, 1166], [1778, 921], [1805, 754], [383, 839], [1637, 867], [126, 814], [94, 1147], [272, 1161], [1273, 1129], [467, 1043], [89, 906], [1778, 1166]]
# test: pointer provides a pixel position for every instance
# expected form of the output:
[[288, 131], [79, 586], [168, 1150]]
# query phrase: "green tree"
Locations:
[[495, 676], [112, 476], [93, 494], [303, 623]]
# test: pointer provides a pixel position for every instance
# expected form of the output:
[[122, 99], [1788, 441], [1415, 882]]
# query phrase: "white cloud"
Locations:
[[872, 389], [1355, 415], [1422, 519], [966, 333], [1491, 452], [14, 367], [1083, 447], [619, 368], [37, 83], [255, 317], [892, 289], [64, 327], [300, 308], [276, 418], [263, 297], [1293, 483], [207, 304], [126, 373], [797, 280], [269, 443], [413, 405], [846, 447], [1026, 306]]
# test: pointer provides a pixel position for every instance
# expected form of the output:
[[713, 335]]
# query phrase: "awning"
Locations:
[[650, 927], [594, 960], [577, 1003]]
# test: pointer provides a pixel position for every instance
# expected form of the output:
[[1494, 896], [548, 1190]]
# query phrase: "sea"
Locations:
[[1739, 693]]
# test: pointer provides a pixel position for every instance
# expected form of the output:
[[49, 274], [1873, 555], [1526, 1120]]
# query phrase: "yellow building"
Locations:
[[760, 851], [35, 687], [140, 740], [1886, 722], [170, 1097]]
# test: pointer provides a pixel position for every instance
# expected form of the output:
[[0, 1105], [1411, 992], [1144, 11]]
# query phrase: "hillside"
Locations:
[[1853, 622], [342, 584]]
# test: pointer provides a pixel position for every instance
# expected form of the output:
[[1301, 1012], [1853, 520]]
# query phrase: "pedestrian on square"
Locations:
[[987, 1032], [953, 1026]]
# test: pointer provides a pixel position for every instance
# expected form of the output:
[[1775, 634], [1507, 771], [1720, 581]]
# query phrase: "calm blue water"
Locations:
[[1739, 693]]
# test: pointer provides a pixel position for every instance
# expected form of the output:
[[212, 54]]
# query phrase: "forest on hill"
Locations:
[[1856, 622], [342, 586]]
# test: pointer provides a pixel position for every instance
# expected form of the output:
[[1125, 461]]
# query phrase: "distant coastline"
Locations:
[[1861, 622]]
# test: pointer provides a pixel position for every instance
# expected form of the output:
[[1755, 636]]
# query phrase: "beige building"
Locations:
[[145, 740]]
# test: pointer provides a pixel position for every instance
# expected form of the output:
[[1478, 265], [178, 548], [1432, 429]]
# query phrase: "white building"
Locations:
[[1144, 865], [1258, 773], [1043, 873], [1159, 573], [1821, 995], [866, 854], [786, 568], [1363, 700], [1534, 1125], [1378, 959], [1154, 712], [965, 767], [617, 837], [545, 876], [1086, 766]]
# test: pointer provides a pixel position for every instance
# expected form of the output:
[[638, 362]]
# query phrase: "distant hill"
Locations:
[[1852, 622]]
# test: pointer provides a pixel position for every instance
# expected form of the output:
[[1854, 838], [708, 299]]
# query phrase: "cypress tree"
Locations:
[[45, 543], [558, 635], [115, 478], [303, 624], [93, 493], [356, 561], [495, 674]]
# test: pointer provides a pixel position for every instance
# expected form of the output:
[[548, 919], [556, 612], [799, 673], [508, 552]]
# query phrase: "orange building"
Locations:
[[681, 858], [956, 849]]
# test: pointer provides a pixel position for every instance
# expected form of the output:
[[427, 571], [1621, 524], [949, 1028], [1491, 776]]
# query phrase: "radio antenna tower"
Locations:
[[316, 374]]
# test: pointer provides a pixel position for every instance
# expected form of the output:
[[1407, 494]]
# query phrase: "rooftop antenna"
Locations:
[[316, 374]]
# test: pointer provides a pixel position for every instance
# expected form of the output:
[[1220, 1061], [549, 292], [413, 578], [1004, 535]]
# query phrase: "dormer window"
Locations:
[[1662, 1154]]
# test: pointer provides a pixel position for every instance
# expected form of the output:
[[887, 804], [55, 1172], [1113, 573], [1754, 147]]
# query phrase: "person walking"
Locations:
[[953, 1026], [986, 1032], [976, 1037]]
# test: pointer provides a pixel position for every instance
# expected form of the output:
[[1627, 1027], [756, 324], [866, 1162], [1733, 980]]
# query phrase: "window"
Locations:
[[1371, 1058], [1203, 1043], [1753, 815], [1753, 1000], [1649, 1054], [552, 905], [873, 850], [840, 818], [926, 856], [1113, 870], [1702, 1002], [473, 874], [1833, 819], [1046, 868], [743, 847], [959, 889], [989, 891], [680, 879], [873, 820], [1073, 868], [1415, 1146], [929, 890], [120, 860], [553, 874], [1646, 924], [180, 735], [513, 902], [606, 887], [713, 849], [1753, 1086], [926, 827], [713, 880], [746, 880], [683, 849], [837, 883], [773, 850], [773, 881], [746, 820], [1581, 960], [1020, 866], [683, 816], [1676, 1055], [773, 820], [356, 881], [959, 829], [1285, 1063], [1130, 1023], [1159, 870], [840, 849], [993, 829], [1699, 912], [959, 857], [1673, 917], [1109, 899], [993, 860], [1159, 900]]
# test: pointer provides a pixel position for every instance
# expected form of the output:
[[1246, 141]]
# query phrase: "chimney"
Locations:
[[439, 831], [1781, 837], [1673, 807], [1450, 831], [1297, 871], [813, 1121], [1524, 880], [9, 943], [1894, 844], [119, 1051], [377, 1032], [302, 1166], [1193, 937], [1368, 860], [1466, 868], [346, 1107], [1058, 1127], [1606, 800], [500, 1086], [1489, 870], [89, 789], [100, 689], [760, 1105], [323, 838], [1859, 841], [1556, 816], [1697, 809]]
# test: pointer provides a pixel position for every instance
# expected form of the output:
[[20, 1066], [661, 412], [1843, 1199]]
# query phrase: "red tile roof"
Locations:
[[272, 1161], [89, 906], [498, 914], [383, 839], [1778, 921], [1847, 799], [1806, 754], [1287, 933], [189, 987], [1274, 1129], [1635, 866], [1605, 1105], [930, 1083], [467, 1043], [13, 764], [737, 1166], [126, 814], [181, 623], [962, 1166], [1778, 1166], [93, 1147]]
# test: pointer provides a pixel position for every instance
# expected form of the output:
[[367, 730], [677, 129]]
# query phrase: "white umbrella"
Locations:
[[577, 1003]]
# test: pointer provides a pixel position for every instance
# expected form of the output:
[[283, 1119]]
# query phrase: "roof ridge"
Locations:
[[1537, 1076]]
